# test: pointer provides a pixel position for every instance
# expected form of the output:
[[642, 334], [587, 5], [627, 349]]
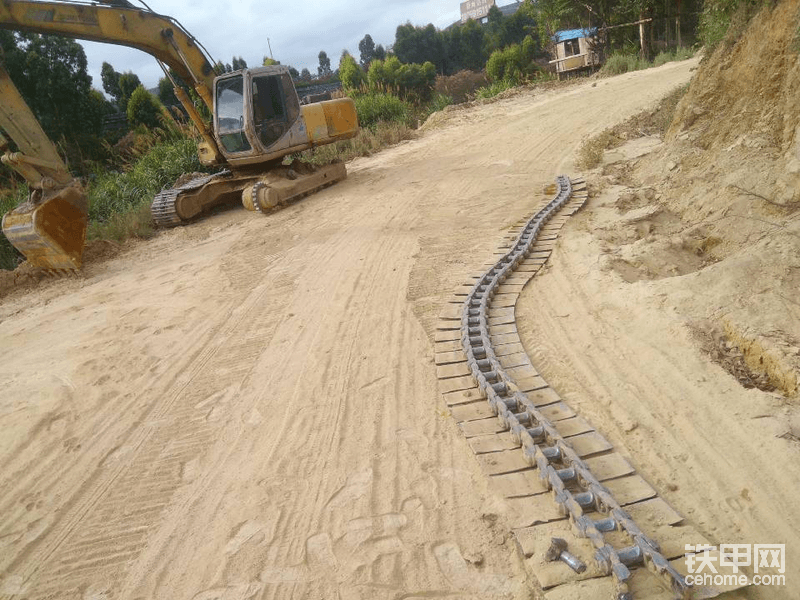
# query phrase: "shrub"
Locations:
[[460, 86], [375, 107], [350, 73], [144, 108], [412, 81], [725, 18], [113, 193], [513, 63]]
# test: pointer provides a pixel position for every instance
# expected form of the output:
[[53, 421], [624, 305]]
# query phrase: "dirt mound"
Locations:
[[720, 200], [25, 277]]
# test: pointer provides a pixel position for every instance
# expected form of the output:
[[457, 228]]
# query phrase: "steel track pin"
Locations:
[[558, 551]]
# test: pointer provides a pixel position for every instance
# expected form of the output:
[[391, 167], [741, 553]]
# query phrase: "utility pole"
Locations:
[[270, 49]]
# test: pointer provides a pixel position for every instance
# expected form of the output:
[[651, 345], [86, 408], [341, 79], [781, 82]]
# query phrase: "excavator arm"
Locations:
[[119, 22]]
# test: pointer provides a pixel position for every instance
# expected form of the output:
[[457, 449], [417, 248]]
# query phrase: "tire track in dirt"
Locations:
[[114, 518]]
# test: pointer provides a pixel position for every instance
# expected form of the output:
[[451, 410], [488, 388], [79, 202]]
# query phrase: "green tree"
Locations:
[[269, 61], [119, 86], [51, 74], [305, 75], [128, 82], [514, 63], [350, 73], [472, 47], [144, 108], [366, 48], [419, 45], [166, 92], [294, 73], [324, 69], [380, 52], [238, 63], [110, 79], [412, 81]]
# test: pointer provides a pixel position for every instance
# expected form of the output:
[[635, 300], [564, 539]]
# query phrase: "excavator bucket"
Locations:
[[51, 234]]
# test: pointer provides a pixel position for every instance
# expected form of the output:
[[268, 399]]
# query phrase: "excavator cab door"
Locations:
[[230, 111], [275, 107], [254, 109]]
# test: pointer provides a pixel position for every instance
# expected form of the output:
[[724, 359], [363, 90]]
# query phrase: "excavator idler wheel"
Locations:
[[259, 197]]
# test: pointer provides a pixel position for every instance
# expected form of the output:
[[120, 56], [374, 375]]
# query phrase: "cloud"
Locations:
[[297, 30]]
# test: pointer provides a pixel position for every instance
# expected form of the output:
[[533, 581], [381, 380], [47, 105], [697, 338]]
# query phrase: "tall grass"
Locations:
[[368, 141], [114, 193], [493, 89], [9, 257], [624, 62], [375, 107]]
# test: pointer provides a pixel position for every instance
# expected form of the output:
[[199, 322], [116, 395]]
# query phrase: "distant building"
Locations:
[[478, 10], [475, 9], [576, 50]]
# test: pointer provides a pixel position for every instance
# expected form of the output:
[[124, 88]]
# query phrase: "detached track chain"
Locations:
[[479, 357]]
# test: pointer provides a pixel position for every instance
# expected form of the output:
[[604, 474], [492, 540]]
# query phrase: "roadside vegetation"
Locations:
[[620, 62]]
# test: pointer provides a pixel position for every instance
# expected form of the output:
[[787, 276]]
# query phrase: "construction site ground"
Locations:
[[247, 407]]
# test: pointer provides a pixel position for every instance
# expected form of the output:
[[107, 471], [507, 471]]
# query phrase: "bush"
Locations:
[[412, 81], [725, 18], [113, 193], [460, 86], [9, 257], [374, 107], [514, 63], [350, 73], [144, 108]]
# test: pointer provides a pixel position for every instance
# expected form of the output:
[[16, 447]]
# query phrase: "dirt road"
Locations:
[[247, 408]]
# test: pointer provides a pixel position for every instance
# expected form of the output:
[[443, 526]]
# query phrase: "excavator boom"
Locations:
[[122, 24]]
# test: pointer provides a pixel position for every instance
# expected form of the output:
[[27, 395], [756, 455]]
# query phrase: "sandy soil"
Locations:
[[246, 407]]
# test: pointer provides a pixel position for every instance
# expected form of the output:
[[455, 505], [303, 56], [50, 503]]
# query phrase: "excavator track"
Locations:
[[574, 502], [164, 210]]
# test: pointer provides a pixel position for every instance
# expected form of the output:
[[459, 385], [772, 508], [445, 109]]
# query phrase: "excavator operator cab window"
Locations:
[[230, 114], [275, 107]]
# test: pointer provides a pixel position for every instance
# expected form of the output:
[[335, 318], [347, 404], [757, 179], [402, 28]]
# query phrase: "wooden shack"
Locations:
[[575, 51]]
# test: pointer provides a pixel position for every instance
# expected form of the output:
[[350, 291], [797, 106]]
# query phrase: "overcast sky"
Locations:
[[297, 30]]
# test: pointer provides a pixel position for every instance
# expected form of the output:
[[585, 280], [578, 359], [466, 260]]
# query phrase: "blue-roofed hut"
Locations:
[[576, 50]]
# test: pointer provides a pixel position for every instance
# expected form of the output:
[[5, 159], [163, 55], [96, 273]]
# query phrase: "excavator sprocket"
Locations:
[[50, 233]]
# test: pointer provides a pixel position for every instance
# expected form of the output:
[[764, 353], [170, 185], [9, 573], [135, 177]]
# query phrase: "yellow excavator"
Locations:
[[257, 121]]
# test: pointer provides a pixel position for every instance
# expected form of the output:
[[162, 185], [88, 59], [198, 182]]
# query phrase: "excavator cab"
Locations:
[[258, 117]]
